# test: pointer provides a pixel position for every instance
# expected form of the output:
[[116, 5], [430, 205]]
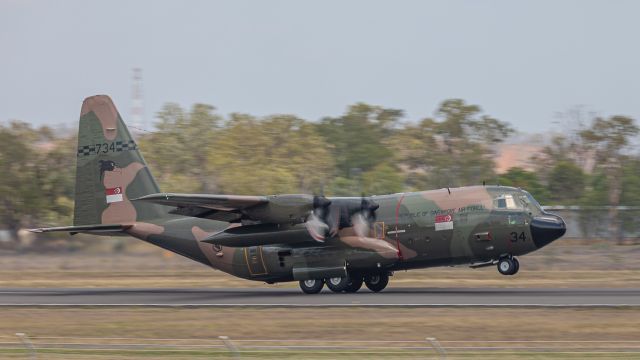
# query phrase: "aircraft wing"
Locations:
[[261, 234], [214, 202], [231, 208]]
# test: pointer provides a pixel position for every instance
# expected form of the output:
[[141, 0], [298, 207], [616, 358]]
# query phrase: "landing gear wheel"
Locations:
[[338, 284], [506, 266], [355, 284], [312, 286], [376, 282], [517, 264]]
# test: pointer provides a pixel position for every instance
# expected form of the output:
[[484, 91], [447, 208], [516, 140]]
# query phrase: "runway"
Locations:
[[270, 297]]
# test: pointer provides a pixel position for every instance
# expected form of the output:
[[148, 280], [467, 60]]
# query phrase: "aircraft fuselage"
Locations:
[[470, 225]]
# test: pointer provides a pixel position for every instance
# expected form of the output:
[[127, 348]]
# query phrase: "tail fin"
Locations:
[[110, 169]]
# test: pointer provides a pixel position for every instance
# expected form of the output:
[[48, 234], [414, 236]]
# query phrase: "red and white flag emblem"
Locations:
[[444, 222], [114, 194]]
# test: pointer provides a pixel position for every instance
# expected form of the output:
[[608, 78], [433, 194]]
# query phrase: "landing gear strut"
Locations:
[[508, 266]]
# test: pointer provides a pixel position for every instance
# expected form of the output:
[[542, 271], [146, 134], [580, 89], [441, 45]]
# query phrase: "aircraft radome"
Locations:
[[316, 240]]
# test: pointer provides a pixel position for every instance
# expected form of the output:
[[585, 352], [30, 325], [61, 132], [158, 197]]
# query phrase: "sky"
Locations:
[[520, 61]]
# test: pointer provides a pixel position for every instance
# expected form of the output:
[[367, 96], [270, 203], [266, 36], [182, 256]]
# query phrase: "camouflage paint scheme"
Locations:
[[404, 236]]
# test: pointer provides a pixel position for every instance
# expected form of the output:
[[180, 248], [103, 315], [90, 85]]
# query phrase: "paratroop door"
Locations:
[[255, 261]]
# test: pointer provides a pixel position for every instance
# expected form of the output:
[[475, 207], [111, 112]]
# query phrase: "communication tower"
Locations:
[[137, 108]]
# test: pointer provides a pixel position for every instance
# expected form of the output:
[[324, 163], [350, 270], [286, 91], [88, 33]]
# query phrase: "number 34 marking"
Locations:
[[515, 237]]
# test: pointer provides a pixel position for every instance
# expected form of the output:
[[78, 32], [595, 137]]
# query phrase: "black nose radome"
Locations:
[[546, 228]]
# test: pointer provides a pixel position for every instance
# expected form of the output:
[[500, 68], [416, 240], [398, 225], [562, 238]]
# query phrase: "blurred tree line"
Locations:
[[368, 149]]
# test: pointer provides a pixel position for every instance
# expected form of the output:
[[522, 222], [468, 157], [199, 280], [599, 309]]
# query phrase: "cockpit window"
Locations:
[[521, 200], [505, 201]]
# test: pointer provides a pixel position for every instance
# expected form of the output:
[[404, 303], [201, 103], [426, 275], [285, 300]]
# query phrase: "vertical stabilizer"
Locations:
[[110, 169]]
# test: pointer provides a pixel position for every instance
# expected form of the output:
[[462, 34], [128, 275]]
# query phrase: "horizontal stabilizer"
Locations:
[[258, 235], [87, 229]]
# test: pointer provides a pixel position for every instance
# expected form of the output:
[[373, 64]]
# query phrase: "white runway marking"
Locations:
[[317, 305], [290, 297]]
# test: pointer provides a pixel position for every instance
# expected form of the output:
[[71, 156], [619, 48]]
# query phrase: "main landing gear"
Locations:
[[348, 284], [376, 282], [508, 266], [312, 286]]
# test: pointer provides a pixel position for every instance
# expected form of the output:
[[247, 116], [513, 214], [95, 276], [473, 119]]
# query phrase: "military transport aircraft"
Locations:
[[316, 240]]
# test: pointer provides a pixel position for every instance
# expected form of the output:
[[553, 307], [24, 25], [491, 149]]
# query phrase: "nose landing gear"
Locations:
[[508, 266]]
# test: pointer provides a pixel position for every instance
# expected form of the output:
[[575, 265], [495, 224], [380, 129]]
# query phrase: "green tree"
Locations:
[[452, 149], [382, 179], [55, 173], [357, 138], [178, 151], [527, 180], [630, 195], [609, 139], [35, 181], [566, 183], [279, 154]]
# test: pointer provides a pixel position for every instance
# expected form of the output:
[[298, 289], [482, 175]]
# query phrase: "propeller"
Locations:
[[365, 217], [316, 223], [329, 216]]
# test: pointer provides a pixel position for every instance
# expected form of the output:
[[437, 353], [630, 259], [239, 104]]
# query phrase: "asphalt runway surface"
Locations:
[[294, 297]]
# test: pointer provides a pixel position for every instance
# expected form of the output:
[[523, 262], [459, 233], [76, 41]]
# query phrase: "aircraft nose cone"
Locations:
[[546, 228]]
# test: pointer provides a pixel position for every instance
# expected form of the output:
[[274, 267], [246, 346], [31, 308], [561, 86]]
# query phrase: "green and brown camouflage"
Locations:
[[267, 238]]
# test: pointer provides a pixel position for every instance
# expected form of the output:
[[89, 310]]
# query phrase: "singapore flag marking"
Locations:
[[114, 195], [444, 222]]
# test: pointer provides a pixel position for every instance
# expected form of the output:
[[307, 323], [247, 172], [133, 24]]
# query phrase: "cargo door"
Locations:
[[255, 260]]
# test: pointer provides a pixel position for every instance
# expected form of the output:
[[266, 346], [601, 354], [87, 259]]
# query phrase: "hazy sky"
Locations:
[[521, 61]]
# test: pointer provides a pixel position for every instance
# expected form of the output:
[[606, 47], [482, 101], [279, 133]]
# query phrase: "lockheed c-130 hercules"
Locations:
[[342, 242]]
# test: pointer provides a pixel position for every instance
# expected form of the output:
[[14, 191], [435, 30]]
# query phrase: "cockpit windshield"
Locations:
[[513, 201], [530, 204]]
